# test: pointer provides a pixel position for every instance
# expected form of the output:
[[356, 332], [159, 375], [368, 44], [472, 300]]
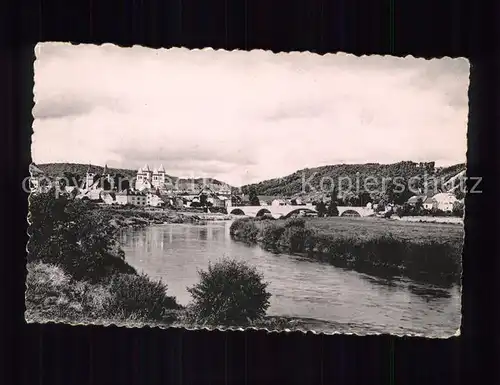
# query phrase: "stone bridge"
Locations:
[[288, 210]]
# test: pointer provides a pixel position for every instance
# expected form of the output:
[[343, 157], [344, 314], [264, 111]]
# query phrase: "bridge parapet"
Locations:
[[278, 211]]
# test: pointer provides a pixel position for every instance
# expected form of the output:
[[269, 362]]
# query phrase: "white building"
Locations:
[[108, 198], [154, 200], [429, 203], [445, 201], [278, 202], [415, 198], [131, 197]]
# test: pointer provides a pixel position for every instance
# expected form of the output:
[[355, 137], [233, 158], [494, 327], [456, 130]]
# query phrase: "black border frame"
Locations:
[[64, 354]]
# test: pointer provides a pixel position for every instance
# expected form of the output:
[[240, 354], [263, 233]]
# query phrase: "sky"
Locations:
[[243, 117]]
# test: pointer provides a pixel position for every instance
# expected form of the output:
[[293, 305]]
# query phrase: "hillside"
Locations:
[[59, 169], [425, 178], [55, 170]]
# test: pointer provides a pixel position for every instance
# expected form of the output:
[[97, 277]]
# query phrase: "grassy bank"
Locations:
[[428, 252]]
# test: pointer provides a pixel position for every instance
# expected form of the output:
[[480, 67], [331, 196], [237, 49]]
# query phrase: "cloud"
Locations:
[[241, 116], [67, 106]]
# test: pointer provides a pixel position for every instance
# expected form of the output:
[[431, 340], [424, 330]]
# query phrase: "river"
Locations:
[[326, 297]]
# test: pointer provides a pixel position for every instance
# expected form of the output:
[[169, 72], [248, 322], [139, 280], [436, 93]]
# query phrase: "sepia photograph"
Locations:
[[247, 189]]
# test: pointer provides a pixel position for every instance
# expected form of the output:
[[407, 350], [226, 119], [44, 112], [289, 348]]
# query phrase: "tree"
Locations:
[[459, 193], [364, 198], [70, 234], [72, 179], [381, 206], [390, 192], [333, 211], [203, 200], [458, 209], [419, 204], [321, 208], [106, 184], [62, 183], [229, 293], [252, 197]]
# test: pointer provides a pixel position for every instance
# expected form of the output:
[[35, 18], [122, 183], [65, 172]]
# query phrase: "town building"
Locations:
[[130, 197], [154, 200], [108, 197], [429, 203], [416, 198], [445, 201]]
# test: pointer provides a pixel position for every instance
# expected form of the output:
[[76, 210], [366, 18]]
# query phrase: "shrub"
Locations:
[[229, 293], [138, 297], [271, 235], [274, 323], [295, 222], [244, 229], [294, 238], [51, 295]]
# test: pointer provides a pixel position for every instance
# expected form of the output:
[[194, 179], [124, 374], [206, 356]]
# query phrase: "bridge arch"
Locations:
[[298, 210], [262, 212], [350, 213], [237, 212]]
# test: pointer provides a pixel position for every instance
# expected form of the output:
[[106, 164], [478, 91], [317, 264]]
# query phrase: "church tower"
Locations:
[[159, 177], [89, 177], [106, 177]]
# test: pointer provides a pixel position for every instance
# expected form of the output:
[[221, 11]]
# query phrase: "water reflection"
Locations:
[[300, 287], [429, 293]]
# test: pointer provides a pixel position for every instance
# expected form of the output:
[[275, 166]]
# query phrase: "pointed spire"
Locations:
[[105, 172], [161, 169], [89, 169], [146, 167]]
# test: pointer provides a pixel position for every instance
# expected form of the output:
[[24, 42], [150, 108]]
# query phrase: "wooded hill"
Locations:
[[425, 176], [55, 170]]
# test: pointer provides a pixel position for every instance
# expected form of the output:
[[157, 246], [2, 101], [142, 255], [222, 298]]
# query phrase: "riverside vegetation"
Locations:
[[77, 273], [429, 253]]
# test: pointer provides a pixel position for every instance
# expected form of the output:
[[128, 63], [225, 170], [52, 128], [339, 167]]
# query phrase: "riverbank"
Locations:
[[427, 252], [139, 217], [133, 300], [449, 220]]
